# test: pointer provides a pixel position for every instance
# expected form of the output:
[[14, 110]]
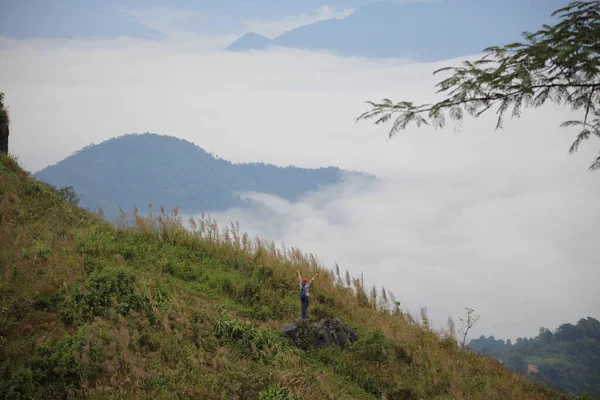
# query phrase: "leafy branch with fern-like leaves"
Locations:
[[557, 64]]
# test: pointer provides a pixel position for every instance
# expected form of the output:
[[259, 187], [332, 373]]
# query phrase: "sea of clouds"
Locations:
[[503, 221]]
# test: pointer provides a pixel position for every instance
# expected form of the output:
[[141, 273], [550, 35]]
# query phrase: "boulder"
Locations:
[[325, 333]]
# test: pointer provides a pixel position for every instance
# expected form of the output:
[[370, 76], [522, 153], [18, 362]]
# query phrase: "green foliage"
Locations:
[[100, 292], [371, 363], [56, 363], [16, 382], [557, 64], [52, 371], [251, 341], [69, 194], [39, 250], [486, 345], [567, 359], [374, 347], [153, 383], [276, 393], [517, 363], [263, 313]]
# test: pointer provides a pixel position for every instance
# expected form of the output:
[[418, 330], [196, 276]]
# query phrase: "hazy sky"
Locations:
[[504, 222], [224, 19]]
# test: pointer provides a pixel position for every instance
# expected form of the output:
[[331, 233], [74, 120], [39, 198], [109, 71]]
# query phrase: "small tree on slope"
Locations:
[[466, 325]]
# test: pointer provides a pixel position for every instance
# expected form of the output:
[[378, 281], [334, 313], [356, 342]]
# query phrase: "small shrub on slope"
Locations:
[[99, 292], [276, 393], [251, 341]]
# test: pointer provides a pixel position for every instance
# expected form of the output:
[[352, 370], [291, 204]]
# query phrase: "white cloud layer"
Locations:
[[504, 222]]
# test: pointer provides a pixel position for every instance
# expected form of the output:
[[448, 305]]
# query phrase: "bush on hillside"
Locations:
[[251, 341], [276, 393], [100, 292]]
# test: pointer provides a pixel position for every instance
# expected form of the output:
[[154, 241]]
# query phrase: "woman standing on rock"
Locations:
[[304, 296]]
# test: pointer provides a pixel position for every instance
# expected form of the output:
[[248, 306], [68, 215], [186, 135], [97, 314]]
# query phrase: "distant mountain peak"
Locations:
[[422, 30], [250, 40]]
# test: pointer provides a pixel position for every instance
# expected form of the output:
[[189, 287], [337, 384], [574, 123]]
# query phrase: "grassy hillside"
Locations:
[[90, 310]]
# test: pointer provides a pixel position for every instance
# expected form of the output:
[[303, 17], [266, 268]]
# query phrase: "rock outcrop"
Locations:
[[325, 333]]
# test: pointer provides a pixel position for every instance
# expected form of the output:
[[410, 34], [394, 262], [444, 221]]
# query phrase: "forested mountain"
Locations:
[[137, 170], [567, 359]]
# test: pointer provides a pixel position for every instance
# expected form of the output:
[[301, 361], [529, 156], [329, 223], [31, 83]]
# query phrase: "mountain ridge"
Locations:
[[388, 29], [135, 170]]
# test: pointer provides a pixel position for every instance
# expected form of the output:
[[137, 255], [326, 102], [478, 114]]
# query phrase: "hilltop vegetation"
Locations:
[[93, 310], [567, 359], [137, 170]]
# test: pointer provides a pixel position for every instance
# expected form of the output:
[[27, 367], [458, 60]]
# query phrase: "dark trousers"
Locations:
[[304, 303]]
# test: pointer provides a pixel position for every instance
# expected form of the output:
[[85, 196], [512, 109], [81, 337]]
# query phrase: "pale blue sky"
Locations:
[[110, 18]]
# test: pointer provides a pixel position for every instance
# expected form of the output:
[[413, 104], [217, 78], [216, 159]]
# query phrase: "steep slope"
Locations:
[[135, 170], [425, 31], [90, 310]]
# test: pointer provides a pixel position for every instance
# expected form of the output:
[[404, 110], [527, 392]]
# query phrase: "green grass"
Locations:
[[155, 310]]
